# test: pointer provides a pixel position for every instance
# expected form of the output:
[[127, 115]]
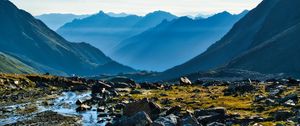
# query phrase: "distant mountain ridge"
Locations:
[[173, 42], [105, 32], [34, 44], [56, 20], [266, 40]]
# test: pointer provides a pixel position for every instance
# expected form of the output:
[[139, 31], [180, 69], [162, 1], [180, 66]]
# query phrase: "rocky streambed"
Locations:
[[63, 107]]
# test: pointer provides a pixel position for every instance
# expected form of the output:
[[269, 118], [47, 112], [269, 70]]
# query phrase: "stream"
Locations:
[[64, 104]]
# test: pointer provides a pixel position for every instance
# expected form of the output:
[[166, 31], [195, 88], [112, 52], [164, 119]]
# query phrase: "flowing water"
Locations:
[[65, 104]]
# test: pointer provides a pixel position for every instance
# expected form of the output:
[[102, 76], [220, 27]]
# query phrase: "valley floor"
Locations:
[[31, 99]]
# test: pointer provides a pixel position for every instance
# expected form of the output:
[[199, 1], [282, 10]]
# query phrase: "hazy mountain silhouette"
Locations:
[[105, 32], [173, 42], [265, 40], [33, 43], [112, 14], [56, 20]]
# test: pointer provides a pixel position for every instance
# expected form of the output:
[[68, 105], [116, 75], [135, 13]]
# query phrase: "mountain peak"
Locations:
[[160, 13], [224, 13], [101, 13], [244, 12]]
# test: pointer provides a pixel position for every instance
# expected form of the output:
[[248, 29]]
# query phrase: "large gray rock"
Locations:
[[282, 115], [170, 120], [190, 120], [216, 124], [210, 115], [139, 119], [210, 111], [98, 88], [151, 108]]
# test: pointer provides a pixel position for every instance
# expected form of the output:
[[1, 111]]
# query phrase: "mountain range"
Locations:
[[26, 41], [104, 31], [266, 40], [56, 20], [173, 42]]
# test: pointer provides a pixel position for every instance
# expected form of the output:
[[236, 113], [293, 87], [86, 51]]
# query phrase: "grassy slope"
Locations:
[[9, 64], [213, 96]]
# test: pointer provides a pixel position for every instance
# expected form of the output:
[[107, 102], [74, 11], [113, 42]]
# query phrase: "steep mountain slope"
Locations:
[[34, 44], [9, 64], [265, 40], [105, 32], [173, 42], [276, 45], [56, 20]]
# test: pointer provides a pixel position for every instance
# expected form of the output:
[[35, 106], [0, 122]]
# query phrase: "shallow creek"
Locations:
[[64, 104]]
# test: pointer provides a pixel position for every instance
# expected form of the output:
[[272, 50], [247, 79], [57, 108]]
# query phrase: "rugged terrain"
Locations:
[[122, 101]]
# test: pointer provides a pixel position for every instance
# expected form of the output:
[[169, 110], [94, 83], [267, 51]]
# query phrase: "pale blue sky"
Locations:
[[139, 7]]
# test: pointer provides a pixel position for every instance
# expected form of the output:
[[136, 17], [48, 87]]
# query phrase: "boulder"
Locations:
[[293, 97], [120, 106], [136, 92], [121, 85], [289, 103], [170, 120], [239, 88], [210, 115], [185, 81], [151, 108], [174, 110], [216, 124], [282, 115], [190, 120], [79, 102], [138, 119], [258, 98], [270, 102], [98, 88], [275, 92], [211, 111], [83, 107]]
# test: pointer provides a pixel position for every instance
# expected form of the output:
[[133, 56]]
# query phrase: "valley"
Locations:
[[159, 68]]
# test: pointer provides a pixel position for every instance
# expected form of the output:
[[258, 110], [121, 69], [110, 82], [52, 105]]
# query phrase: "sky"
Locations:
[[138, 7]]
